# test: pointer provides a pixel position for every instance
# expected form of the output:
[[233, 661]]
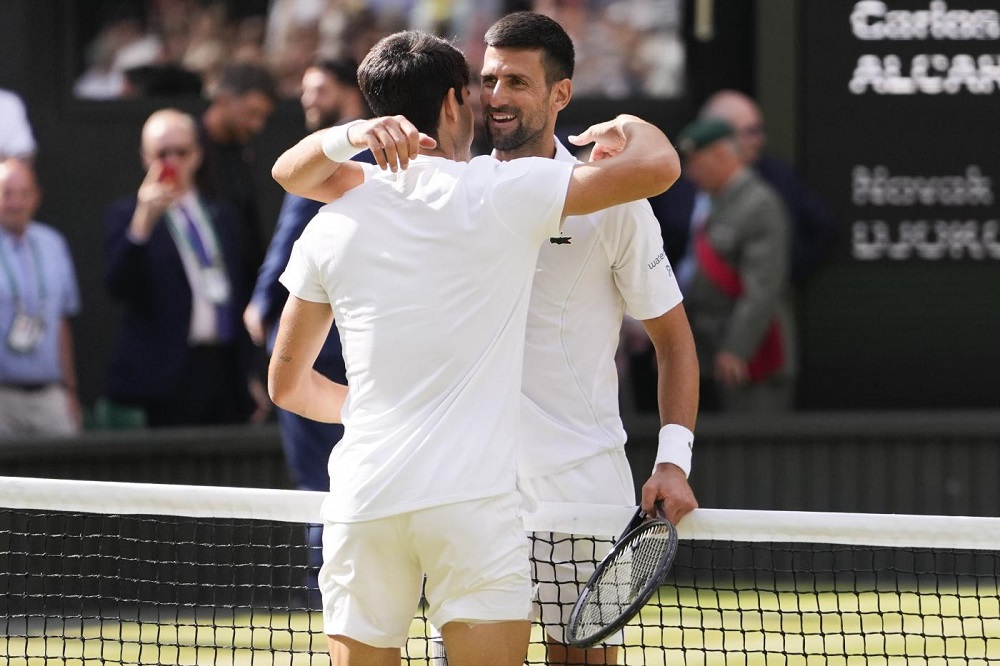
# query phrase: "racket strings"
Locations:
[[625, 579]]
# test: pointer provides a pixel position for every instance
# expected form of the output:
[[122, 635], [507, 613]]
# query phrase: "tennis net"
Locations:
[[113, 573]]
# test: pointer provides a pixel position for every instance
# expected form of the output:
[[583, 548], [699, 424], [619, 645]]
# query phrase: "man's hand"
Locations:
[[669, 485], [254, 324], [262, 403], [608, 137], [731, 370], [393, 140], [156, 194]]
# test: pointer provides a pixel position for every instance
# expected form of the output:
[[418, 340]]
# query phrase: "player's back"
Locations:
[[429, 272]]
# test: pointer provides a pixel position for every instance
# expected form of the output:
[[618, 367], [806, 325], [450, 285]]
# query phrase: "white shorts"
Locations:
[[474, 554], [561, 563]]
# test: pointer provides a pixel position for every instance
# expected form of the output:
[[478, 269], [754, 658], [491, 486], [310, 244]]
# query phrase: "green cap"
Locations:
[[702, 132]]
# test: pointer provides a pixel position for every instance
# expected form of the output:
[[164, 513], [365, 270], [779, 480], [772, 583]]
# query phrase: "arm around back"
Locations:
[[632, 160], [319, 166]]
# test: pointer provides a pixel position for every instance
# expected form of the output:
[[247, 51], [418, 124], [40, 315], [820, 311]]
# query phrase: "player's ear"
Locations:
[[562, 92], [450, 106]]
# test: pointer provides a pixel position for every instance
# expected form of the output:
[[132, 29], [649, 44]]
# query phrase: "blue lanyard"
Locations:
[[187, 233], [43, 293]]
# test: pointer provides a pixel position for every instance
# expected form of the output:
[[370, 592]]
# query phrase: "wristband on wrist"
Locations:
[[336, 146], [676, 444]]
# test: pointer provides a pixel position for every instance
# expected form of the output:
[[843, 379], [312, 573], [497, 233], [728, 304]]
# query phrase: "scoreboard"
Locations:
[[901, 134]]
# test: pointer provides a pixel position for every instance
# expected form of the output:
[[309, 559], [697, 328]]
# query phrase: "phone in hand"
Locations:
[[168, 174]]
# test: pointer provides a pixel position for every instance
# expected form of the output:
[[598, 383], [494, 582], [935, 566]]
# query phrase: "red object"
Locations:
[[770, 354], [168, 174]]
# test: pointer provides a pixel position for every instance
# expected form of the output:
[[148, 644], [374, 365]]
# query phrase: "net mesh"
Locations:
[[233, 584]]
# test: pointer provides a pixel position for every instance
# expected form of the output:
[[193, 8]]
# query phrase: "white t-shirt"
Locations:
[[429, 275], [608, 263]]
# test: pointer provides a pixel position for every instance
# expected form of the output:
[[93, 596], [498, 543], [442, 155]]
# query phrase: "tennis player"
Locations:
[[572, 443], [427, 269]]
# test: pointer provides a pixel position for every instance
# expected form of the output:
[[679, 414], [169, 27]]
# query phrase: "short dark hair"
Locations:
[[245, 78], [342, 70], [529, 30], [410, 73]]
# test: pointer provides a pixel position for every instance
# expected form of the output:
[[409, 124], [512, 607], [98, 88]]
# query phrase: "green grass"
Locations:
[[701, 628]]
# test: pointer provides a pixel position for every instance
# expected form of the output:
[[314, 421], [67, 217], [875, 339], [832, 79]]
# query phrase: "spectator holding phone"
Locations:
[[172, 260]]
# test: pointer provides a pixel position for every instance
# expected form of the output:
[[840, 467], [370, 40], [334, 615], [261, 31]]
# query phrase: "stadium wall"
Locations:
[[917, 463]]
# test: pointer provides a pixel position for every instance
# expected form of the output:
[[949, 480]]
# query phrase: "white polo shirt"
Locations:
[[429, 274], [605, 264]]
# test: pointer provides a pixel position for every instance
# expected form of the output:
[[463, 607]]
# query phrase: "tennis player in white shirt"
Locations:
[[427, 269], [602, 265]]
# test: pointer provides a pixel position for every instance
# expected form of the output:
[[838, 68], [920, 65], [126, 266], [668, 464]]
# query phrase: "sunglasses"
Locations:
[[178, 152]]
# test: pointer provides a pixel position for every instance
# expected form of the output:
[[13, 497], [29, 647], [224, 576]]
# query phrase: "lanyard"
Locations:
[[204, 247], [43, 293]]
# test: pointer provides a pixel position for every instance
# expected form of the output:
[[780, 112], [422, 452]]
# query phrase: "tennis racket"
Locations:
[[625, 580]]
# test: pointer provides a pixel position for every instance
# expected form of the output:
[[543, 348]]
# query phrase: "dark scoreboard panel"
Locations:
[[901, 133]]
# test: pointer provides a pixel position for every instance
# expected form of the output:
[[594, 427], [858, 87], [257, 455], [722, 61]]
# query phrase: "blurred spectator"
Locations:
[[242, 102], [330, 96], [16, 137], [161, 81], [38, 295], [735, 278], [154, 48], [813, 224], [171, 258]]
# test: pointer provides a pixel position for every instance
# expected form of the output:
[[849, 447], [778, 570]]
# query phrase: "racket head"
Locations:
[[624, 581]]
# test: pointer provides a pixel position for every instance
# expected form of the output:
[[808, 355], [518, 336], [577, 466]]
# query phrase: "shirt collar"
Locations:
[[562, 153]]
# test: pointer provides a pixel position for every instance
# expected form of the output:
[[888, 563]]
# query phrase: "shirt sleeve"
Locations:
[[71, 297], [268, 294], [528, 195], [301, 277], [641, 268]]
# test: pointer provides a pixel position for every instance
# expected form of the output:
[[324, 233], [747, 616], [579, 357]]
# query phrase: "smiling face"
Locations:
[[519, 106]]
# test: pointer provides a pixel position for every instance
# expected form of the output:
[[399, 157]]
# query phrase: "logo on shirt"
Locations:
[[561, 240], [662, 257]]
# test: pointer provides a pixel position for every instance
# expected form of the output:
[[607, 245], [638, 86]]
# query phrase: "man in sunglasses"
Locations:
[[172, 259]]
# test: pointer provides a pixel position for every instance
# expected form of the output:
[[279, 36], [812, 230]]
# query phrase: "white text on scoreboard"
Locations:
[[934, 73]]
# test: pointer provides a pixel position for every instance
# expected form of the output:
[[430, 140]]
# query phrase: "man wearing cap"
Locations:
[[735, 277]]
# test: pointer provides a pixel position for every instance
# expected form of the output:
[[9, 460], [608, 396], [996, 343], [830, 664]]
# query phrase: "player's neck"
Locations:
[[542, 148]]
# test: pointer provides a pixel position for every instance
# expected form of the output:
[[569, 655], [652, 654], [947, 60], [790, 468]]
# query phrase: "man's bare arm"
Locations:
[[632, 160], [307, 171], [291, 380], [677, 397]]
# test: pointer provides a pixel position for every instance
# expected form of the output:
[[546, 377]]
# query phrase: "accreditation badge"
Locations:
[[25, 333], [215, 282]]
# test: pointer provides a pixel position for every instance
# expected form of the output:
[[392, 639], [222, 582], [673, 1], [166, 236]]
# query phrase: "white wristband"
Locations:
[[676, 444], [336, 146]]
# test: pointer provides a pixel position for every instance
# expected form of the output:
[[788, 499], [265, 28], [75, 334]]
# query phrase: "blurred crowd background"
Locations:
[[624, 47]]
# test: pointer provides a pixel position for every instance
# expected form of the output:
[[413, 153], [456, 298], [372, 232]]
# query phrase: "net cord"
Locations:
[[300, 506]]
